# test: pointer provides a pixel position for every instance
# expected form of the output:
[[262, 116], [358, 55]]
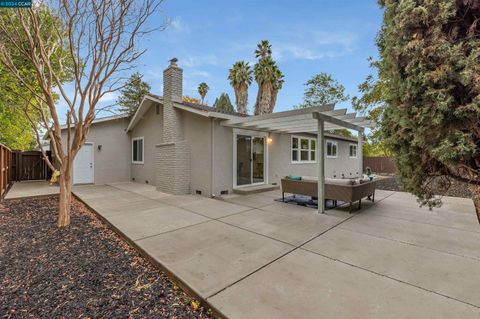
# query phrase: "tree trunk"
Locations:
[[273, 101], [65, 197], [241, 97], [257, 101], [265, 99]]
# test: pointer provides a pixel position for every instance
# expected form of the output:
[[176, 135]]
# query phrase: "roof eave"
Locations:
[[136, 116]]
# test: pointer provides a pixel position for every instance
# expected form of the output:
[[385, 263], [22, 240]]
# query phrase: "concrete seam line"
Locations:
[[411, 244], [387, 276], [175, 279], [274, 260], [172, 230], [424, 223], [288, 252]]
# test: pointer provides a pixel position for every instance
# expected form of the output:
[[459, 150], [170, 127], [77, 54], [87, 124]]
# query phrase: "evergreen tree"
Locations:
[[429, 56], [132, 94], [322, 89], [223, 103]]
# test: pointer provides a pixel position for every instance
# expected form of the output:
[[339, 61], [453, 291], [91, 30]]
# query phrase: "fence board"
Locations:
[[5, 168], [29, 165], [385, 165]]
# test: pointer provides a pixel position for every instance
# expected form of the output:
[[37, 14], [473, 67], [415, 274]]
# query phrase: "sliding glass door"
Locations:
[[250, 160]]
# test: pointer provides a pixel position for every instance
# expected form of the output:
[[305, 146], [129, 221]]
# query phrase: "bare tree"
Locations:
[[95, 41]]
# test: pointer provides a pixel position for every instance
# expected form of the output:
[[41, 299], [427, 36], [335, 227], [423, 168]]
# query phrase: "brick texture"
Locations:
[[173, 155], [173, 168]]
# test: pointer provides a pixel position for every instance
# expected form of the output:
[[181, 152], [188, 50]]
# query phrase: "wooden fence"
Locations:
[[5, 170], [384, 165], [29, 165]]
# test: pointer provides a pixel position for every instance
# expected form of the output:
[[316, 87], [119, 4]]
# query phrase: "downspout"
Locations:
[[212, 156], [360, 152], [321, 166]]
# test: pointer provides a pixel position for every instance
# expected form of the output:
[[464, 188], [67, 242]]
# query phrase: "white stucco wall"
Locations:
[[150, 127], [223, 155], [280, 163], [198, 136], [112, 162]]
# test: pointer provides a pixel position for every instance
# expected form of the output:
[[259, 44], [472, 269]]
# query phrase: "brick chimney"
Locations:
[[173, 154], [172, 92], [172, 82]]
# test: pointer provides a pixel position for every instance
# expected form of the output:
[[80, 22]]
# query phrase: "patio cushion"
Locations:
[[294, 178], [338, 181]]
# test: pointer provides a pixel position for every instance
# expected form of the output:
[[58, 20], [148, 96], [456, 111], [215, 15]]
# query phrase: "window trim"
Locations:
[[299, 150], [356, 150], [336, 148], [143, 150]]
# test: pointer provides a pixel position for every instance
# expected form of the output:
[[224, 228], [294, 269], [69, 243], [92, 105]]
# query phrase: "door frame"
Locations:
[[252, 134], [93, 165]]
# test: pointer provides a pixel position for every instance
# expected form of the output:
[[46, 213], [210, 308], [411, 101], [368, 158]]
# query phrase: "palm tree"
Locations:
[[203, 90], [240, 76], [264, 49], [270, 80], [277, 86]]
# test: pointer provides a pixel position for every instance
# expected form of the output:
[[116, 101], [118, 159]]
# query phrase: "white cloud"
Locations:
[[300, 52], [346, 40], [200, 73], [109, 97], [315, 45], [178, 25], [195, 61]]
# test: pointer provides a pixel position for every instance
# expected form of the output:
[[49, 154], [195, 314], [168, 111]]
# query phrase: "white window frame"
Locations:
[[299, 149], [336, 148], [143, 150], [350, 148]]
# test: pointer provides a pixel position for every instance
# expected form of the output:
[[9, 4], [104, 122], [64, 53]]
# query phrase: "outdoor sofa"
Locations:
[[335, 189]]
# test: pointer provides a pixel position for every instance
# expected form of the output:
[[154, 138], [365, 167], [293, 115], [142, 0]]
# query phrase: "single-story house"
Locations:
[[185, 148]]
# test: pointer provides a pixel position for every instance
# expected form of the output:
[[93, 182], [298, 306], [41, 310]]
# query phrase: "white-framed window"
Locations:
[[353, 150], [137, 150], [332, 148], [303, 149]]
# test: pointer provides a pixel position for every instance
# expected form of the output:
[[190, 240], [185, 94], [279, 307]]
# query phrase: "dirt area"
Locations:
[[457, 189], [83, 271]]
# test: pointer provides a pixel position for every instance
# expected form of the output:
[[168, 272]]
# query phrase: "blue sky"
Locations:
[[307, 37]]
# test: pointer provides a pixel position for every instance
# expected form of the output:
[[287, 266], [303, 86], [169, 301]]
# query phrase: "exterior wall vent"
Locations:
[[198, 192], [224, 192]]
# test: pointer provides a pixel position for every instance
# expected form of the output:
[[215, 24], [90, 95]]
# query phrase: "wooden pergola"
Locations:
[[314, 120]]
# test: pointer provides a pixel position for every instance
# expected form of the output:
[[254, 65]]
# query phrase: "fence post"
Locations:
[[1, 171]]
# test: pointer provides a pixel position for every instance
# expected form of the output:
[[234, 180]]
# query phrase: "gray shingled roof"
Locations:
[[202, 107]]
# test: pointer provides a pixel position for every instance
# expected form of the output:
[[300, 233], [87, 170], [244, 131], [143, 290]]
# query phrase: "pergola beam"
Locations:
[[333, 120], [277, 115], [302, 125]]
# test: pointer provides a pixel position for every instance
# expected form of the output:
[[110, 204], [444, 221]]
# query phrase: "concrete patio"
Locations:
[[25, 189], [249, 256]]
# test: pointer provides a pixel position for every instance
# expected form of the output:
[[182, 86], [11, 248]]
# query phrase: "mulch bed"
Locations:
[[83, 271], [457, 189]]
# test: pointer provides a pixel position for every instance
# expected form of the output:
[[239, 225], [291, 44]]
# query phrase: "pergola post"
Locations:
[[360, 152], [321, 166]]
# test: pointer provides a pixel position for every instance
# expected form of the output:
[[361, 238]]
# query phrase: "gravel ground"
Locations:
[[83, 271], [457, 189]]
